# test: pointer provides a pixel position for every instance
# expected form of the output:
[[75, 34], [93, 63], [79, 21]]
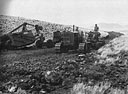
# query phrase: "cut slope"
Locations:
[[112, 51]]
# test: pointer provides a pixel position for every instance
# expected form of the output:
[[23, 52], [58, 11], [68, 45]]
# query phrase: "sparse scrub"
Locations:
[[100, 88]]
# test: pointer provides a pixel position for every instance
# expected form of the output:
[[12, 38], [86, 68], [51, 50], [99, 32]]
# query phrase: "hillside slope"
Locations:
[[115, 50], [8, 23]]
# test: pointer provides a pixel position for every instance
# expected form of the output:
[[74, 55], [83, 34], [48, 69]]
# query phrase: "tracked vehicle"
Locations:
[[92, 42], [22, 37], [69, 40]]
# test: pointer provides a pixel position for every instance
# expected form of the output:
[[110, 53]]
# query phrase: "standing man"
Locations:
[[39, 33], [96, 28], [96, 33], [24, 27]]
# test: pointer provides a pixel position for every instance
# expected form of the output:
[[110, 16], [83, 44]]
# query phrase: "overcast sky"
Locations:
[[78, 12]]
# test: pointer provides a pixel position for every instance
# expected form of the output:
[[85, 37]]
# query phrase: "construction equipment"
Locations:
[[50, 43], [23, 38], [68, 40], [77, 40], [93, 41], [57, 37]]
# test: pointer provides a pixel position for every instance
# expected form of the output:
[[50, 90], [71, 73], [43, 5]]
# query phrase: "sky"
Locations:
[[78, 12]]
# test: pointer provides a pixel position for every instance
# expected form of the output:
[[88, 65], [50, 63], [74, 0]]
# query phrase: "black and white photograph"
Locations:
[[63, 46]]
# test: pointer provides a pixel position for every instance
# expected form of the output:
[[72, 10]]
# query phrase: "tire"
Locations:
[[87, 47], [39, 44], [5, 42], [98, 45], [64, 49], [8, 45], [50, 44]]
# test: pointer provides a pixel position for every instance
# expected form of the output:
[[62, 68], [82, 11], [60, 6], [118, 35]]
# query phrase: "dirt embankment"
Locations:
[[114, 50]]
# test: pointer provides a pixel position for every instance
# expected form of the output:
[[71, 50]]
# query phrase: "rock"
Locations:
[[1, 92], [12, 89], [20, 91], [42, 92]]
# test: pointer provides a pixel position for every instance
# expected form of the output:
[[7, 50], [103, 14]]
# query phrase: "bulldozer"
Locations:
[[92, 42], [21, 37], [68, 40]]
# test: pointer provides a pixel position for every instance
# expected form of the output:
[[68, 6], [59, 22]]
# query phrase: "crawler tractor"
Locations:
[[68, 40], [21, 37], [93, 41]]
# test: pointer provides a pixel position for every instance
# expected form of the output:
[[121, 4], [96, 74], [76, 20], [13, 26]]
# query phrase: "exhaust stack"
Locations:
[[73, 28]]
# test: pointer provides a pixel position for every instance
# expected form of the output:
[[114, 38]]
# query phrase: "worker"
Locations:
[[39, 33], [90, 36], [24, 27], [38, 28], [96, 28], [94, 36], [96, 33], [77, 28]]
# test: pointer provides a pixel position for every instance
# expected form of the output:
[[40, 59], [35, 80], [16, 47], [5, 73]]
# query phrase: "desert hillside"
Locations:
[[8, 23]]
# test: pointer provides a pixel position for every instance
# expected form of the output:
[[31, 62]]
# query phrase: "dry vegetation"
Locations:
[[100, 88]]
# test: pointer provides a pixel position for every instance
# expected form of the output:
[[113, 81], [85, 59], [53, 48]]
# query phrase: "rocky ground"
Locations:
[[44, 71], [22, 67]]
